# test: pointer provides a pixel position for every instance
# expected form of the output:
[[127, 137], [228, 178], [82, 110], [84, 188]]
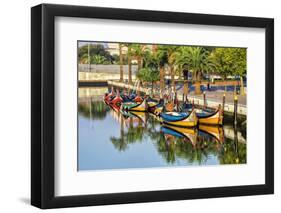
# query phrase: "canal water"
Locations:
[[108, 139]]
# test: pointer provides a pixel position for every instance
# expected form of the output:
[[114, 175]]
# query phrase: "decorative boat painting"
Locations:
[[182, 119], [153, 105]]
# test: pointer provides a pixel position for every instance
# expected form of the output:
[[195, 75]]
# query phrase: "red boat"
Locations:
[[138, 98], [117, 100], [108, 96]]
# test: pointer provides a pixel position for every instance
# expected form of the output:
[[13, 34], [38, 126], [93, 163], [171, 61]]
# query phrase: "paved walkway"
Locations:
[[218, 97]]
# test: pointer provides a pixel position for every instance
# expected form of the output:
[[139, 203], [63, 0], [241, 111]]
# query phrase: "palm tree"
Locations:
[[183, 68], [198, 61], [172, 54], [129, 54], [98, 59], [121, 62], [84, 59], [162, 59], [150, 72], [167, 56], [138, 51]]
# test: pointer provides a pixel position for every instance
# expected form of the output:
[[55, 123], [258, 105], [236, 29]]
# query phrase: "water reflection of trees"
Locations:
[[233, 151], [134, 129], [131, 135], [94, 110]]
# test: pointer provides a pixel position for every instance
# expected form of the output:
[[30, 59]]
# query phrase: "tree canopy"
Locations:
[[229, 61], [98, 54]]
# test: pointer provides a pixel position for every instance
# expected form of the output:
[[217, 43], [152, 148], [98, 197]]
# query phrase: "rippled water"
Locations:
[[109, 139]]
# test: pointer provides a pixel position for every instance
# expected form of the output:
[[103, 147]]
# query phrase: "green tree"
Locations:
[[151, 69], [148, 75], [98, 59], [138, 51], [130, 56], [162, 60], [219, 59], [170, 55], [92, 50], [230, 61], [116, 58], [198, 62], [121, 62]]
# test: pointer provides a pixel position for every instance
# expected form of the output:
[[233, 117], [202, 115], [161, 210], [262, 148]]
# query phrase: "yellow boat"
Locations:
[[152, 103], [155, 107], [180, 119], [158, 110], [140, 107], [215, 118]]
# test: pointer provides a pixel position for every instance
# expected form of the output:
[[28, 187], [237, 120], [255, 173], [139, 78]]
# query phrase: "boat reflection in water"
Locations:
[[110, 138]]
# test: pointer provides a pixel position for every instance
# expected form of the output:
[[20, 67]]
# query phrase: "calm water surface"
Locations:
[[108, 139]]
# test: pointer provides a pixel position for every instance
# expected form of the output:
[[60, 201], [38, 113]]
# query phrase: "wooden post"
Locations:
[[204, 99], [128, 91], [185, 84], [236, 145], [193, 104], [242, 92], [223, 102], [176, 101], [235, 109], [162, 79], [130, 71]]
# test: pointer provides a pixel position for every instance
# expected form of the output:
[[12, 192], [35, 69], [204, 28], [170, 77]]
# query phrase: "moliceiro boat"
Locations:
[[155, 107], [211, 118], [182, 119], [141, 107], [108, 96]]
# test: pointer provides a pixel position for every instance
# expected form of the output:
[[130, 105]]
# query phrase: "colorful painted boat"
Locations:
[[170, 107], [210, 118], [155, 107], [117, 100], [151, 102], [109, 96], [138, 99], [158, 110], [127, 98], [182, 119], [132, 106]]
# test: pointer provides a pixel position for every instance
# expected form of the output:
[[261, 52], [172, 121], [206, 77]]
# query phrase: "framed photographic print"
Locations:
[[139, 106]]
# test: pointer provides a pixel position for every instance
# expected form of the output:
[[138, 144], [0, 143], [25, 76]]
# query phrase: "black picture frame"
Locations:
[[43, 102]]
